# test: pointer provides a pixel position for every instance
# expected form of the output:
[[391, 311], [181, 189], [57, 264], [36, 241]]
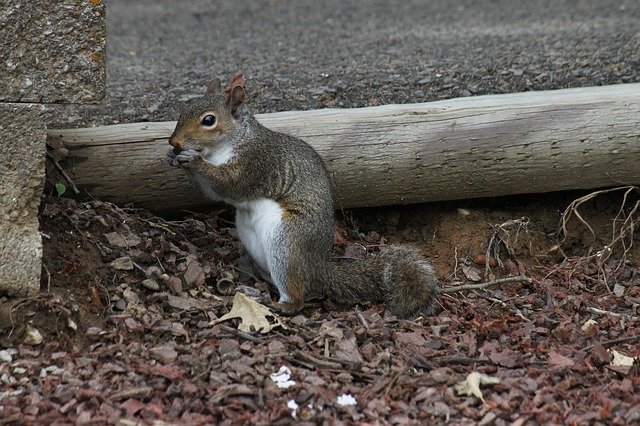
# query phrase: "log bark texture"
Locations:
[[482, 146]]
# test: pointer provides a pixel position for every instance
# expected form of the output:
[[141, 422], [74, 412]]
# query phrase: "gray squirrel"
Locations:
[[284, 204]]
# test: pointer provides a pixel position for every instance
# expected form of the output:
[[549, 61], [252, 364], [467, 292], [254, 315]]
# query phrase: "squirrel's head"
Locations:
[[207, 120]]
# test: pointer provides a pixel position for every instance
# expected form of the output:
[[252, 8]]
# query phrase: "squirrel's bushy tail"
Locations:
[[399, 276]]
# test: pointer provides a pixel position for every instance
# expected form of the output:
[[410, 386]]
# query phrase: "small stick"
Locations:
[[613, 314], [63, 173], [361, 318], [480, 286], [393, 381], [315, 361], [44, 265], [504, 305], [612, 342], [240, 334], [458, 359]]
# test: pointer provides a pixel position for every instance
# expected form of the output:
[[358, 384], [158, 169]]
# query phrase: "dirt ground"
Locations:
[[122, 332]]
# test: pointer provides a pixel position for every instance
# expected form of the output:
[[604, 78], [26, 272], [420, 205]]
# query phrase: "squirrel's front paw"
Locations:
[[185, 159], [171, 158]]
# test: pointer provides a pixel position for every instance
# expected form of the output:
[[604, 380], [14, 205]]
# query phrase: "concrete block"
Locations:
[[52, 51], [23, 135]]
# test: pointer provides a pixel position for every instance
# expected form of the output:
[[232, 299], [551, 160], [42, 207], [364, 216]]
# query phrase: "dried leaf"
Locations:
[[255, 317], [33, 336], [471, 273], [621, 359], [471, 385]]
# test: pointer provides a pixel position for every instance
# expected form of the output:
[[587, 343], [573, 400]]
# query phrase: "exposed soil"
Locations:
[[114, 348]]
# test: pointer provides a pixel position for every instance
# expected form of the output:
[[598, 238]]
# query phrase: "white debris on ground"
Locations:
[[294, 408], [346, 399], [282, 378]]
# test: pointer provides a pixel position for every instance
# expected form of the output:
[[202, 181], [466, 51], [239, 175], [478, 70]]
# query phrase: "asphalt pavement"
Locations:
[[307, 54]]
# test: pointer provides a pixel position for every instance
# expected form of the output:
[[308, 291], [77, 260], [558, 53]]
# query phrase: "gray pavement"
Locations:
[[303, 54]]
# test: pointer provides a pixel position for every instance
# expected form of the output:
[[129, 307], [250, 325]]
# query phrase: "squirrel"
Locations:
[[284, 202]]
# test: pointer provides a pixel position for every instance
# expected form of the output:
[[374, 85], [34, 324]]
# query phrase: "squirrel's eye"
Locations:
[[208, 120]]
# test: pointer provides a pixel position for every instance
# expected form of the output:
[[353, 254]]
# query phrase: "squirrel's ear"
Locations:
[[214, 86], [235, 99], [237, 80]]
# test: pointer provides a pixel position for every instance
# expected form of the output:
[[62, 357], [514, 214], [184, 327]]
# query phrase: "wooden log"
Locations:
[[482, 146]]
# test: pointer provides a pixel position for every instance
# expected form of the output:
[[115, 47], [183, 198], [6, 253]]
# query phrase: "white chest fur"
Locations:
[[219, 155], [258, 222]]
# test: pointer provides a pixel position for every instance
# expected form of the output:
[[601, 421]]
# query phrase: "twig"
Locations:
[[361, 318], [63, 173], [622, 233], [612, 342], [479, 286], [240, 334], [457, 359], [496, 239], [315, 361], [455, 268], [504, 305], [44, 265], [613, 314], [393, 381]]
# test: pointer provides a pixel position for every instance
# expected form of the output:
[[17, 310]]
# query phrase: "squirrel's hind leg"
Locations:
[[291, 298], [291, 288]]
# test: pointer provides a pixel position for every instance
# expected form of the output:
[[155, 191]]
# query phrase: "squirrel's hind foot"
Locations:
[[288, 308]]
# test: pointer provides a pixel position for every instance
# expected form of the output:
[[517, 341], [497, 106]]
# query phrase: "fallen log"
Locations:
[[482, 146]]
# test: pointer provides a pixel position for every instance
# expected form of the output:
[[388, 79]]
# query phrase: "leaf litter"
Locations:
[[141, 352]]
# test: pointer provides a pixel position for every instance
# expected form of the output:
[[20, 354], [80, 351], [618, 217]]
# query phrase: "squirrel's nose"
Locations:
[[177, 146]]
